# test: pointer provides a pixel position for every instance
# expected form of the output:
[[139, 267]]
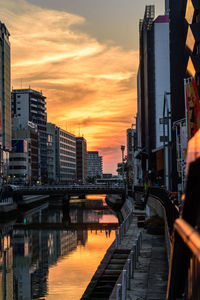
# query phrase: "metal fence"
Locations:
[[119, 235], [128, 271]]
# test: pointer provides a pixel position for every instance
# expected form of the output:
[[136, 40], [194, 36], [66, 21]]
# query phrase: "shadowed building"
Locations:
[[5, 99], [94, 164], [81, 159], [153, 83]]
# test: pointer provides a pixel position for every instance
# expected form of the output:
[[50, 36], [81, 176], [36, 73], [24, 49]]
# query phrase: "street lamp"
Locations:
[[166, 141], [122, 149]]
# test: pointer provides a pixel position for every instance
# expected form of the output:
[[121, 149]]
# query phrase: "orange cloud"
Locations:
[[90, 87]]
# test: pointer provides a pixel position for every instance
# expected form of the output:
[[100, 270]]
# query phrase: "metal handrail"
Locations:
[[123, 228], [128, 271], [184, 274], [189, 235]]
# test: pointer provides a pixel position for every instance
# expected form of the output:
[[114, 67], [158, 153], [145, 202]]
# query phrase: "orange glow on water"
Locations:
[[69, 278]]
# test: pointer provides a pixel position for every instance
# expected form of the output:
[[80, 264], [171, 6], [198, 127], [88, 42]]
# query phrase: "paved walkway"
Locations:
[[151, 273]]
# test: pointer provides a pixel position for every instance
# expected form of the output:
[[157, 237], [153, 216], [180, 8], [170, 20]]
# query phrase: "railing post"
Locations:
[[132, 263], [116, 239], [118, 291], [120, 234], [129, 273], [138, 244], [124, 282], [140, 240], [136, 251]]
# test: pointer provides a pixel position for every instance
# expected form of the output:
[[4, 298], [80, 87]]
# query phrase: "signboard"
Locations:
[[193, 108]]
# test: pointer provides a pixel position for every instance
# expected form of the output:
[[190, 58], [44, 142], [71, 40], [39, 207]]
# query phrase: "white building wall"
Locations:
[[22, 109], [51, 152], [162, 73], [67, 156]]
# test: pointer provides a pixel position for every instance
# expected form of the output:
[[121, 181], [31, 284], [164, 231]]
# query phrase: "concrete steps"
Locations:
[[106, 282]]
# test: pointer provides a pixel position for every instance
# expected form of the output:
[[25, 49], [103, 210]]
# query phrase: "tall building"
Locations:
[[30, 105], [153, 88], [61, 155], [94, 164], [146, 103], [5, 99], [81, 159]]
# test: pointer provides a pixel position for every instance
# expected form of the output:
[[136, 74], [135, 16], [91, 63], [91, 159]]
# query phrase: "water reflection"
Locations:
[[44, 264]]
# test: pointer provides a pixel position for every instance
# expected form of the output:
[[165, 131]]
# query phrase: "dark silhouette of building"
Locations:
[[81, 159]]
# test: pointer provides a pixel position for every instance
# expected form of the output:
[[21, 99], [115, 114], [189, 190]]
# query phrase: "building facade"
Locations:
[[30, 136], [94, 164], [146, 87], [153, 125], [61, 155], [30, 106], [5, 100], [19, 167], [81, 159]]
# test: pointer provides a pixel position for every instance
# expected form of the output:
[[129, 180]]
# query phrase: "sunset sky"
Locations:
[[83, 55]]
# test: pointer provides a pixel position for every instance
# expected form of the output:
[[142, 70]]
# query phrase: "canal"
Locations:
[[53, 264]]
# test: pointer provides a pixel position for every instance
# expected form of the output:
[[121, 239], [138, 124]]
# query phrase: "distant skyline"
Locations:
[[83, 55]]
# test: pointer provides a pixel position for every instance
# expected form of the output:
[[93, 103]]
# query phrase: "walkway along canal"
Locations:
[[136, 265]]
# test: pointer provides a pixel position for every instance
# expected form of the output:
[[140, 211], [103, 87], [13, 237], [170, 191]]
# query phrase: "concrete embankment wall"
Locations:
[[155, 207]]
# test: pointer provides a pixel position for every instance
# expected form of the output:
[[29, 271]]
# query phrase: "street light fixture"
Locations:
[[122, 149], [166, 141]]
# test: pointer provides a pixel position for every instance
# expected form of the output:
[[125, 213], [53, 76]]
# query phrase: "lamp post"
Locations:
[[166, 141], [122, 149]]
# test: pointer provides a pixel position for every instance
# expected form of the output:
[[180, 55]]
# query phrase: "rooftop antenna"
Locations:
[[79, 129], [21, 83]]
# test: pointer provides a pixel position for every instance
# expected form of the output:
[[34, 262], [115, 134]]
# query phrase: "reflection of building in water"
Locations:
[[94, 216], [6, 270], [68, 241], [82, 236], [30, 264], [34, 252], [83, 215]]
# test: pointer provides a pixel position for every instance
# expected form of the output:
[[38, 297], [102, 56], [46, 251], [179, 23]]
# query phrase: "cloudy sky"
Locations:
[[83, 55]]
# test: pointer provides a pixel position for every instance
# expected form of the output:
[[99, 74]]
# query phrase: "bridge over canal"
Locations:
[[69, 190]]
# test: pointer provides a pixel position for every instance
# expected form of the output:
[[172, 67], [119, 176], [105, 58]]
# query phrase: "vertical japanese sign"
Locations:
[[192, 108]]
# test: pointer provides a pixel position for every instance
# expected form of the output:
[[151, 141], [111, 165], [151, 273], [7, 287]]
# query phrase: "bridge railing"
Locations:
[[184, 276], [71, 187]]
